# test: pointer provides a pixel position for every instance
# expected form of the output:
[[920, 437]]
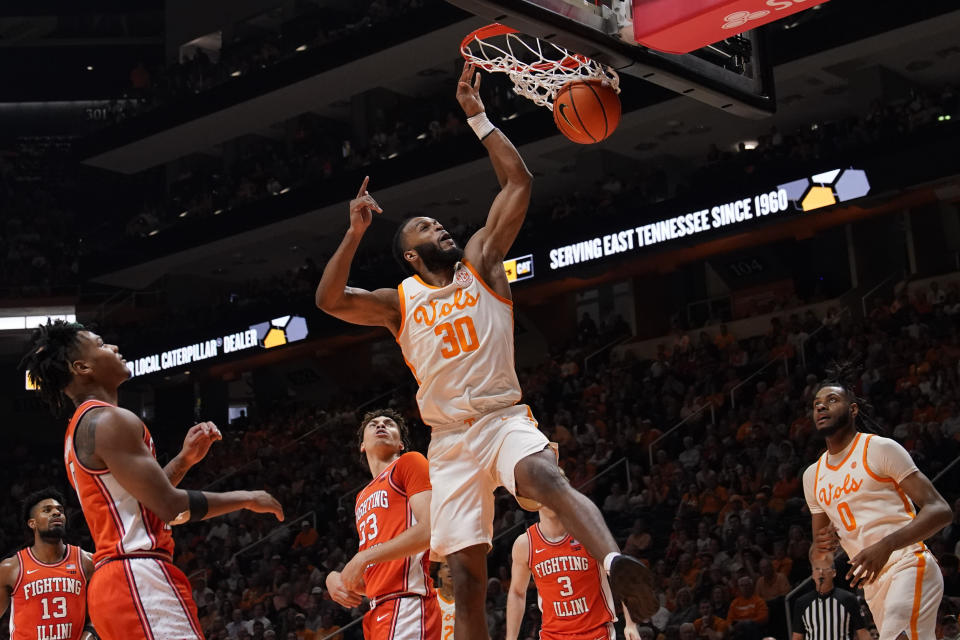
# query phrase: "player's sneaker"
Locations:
[[632, 584]]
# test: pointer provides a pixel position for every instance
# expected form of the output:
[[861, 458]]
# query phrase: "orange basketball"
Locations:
[[586, 111]]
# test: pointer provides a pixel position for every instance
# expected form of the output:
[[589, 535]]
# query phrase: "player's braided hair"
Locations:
[[398, 249], [386, 413], [843, 374], [35, 498], [48, 361]]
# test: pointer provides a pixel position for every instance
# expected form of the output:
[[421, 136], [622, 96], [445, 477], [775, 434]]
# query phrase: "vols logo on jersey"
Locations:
[[463, 277]]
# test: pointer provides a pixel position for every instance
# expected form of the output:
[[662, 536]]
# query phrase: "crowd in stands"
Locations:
[[719, 515]]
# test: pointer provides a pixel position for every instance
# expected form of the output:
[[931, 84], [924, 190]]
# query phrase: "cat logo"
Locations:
[[281, 331], [827, 188], [519, 268]]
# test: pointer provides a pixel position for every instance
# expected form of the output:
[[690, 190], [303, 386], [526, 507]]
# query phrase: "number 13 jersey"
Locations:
[[383, 512], [859, 490], [458, 341]]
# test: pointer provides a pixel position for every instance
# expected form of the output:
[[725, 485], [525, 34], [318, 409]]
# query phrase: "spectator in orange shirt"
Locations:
[[307, 537], [782, 563], [708, 625], [713, 498], [771, 584], [748, 613], [724, 339], [300, 628], [328, 628]]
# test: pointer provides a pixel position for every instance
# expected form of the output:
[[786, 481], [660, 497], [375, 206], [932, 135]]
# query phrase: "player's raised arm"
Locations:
[[519, 581], [115, 436], [379, 308], [510, 206]]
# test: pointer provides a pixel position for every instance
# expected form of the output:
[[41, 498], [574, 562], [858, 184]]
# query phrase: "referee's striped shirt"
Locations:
[[833, 616]]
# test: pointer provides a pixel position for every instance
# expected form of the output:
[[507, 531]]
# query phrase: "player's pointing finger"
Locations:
[[363, 187]]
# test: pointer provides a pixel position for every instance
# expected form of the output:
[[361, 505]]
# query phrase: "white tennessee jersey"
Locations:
[[859, 490], [447, 617], [458, 341]]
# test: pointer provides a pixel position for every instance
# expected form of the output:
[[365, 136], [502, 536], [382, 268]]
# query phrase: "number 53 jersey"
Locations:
[[859, 490], [383, 512], [458, 342]]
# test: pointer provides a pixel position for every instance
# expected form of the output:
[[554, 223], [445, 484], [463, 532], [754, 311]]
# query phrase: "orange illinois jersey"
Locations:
[[859, 490], [118, 523], [383, 512], [458, 342], [572, 588], [49, 601]]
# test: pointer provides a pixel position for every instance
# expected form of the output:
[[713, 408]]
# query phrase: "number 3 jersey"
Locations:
[[49, 601], [859, 490], [572, 588], [383, 512], [458, 341]]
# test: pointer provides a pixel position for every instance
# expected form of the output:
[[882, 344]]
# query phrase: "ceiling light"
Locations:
[[154, 232], [285, 190], [183, 214], [301, 48], [236, 74], [89, 67], [218, 212]]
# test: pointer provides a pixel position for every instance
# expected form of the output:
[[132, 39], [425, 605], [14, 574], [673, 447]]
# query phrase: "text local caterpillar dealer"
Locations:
[[736, 212]]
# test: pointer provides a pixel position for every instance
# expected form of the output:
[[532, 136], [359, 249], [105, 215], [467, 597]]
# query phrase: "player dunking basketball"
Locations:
[[863, 489], [47, 581], [128, 500], [572, 589], [393, 521], [453, 320]]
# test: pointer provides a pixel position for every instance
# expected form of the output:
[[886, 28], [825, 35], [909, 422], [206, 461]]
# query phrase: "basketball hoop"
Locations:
[[537, 68]]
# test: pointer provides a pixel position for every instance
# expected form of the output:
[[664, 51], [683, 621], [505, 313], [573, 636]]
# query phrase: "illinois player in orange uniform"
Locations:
[[572, 589], [128, 500], [453, 319], [393, 521], [45, 584], [863, 490]]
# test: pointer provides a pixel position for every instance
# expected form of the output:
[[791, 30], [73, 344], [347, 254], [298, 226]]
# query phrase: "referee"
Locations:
[[827, 613]]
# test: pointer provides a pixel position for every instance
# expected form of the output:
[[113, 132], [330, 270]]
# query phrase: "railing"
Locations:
[[700, 409], [291, 522], [786, 368], [863, 300], [604, 350], [304, 436], [787, 598]]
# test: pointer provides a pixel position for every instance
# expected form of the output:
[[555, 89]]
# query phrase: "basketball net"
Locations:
[[538, 69]]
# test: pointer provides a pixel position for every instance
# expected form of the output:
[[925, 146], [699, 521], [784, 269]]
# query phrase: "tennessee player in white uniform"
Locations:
[[862, 490], [453, 319], [447, 600]]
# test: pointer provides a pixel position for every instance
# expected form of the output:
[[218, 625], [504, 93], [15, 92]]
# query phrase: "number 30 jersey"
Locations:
[[859, 490], [383, 512], [458, 341]]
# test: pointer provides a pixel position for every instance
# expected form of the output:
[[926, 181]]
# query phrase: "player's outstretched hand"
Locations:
[[263, 502], [198, 441], [339, 593], [362, 208], [827, 540], [867, 565], [468, 91]]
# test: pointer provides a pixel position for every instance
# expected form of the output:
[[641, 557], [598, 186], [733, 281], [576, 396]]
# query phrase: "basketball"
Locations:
[[586, 111]]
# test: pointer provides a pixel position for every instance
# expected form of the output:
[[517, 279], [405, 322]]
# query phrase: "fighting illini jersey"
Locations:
[[447, 617], [383, 512], [572, 588], [458, 341], [119, 524], [860, 492], [49, 601]]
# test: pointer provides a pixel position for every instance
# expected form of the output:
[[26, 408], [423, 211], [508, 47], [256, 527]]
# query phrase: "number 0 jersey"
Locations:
[[458, 341], [49, 601], [572, 588], [118, 523], [859, 490], [383, 512]]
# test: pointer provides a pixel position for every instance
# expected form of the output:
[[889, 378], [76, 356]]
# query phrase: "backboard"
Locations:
[[733, 75]]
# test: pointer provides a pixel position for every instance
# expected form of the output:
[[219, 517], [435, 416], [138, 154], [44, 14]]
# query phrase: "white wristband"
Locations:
[[481, 125]]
